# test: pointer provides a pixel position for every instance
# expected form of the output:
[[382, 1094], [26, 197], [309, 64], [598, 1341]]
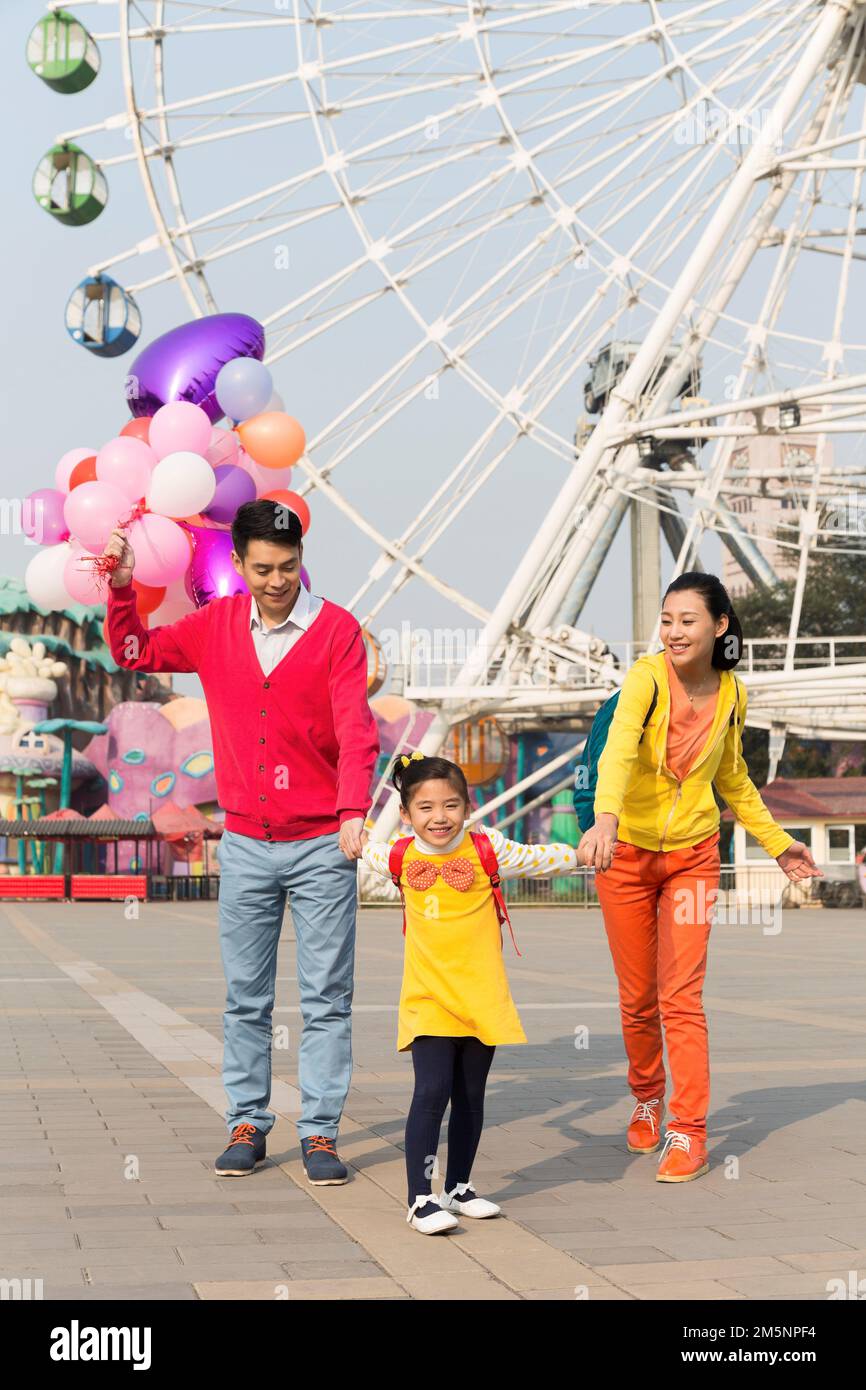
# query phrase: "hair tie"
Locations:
[[416, 756]]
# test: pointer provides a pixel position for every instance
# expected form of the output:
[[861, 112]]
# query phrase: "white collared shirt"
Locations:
[[272, 643]]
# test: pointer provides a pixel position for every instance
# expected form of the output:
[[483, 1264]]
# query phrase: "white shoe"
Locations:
[[457, 1200], [431, 1225]]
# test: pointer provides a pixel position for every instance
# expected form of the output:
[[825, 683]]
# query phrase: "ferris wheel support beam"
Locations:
[[809, 518], [742, 545], [560, 603], [626, 394], [143, 169]]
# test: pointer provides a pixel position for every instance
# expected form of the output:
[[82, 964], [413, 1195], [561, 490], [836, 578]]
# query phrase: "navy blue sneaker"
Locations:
[[246, 1149], [321, 1161]]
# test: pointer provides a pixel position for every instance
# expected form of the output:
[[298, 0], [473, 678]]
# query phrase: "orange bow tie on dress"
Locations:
[[457, 873]]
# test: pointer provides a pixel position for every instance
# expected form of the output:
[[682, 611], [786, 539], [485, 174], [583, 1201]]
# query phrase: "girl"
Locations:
[[655, 842], [455, 1005]]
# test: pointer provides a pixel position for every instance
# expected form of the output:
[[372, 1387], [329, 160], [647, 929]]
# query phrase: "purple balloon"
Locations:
[[211, 573], [234, 487], [184, 363], [305, 579]]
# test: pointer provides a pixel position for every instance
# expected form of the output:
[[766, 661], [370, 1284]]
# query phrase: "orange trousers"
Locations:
[[657, 909]]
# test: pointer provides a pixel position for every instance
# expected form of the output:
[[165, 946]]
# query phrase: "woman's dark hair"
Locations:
[[728, 648], [405, 777], [265, 520]]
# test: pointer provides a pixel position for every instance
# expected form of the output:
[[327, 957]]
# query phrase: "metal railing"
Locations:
[[743, 889], [580, 670]]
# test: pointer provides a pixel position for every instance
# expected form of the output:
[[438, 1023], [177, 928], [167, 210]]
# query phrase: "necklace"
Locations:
[[701, 690]]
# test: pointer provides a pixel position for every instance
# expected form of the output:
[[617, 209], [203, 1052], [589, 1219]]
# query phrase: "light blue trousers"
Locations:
[[321, 883]]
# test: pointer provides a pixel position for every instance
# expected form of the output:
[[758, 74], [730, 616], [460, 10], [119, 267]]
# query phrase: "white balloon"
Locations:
[[43, 578], [181, 484]]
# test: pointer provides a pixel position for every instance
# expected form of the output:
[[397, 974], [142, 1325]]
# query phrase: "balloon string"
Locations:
[[103, 566]]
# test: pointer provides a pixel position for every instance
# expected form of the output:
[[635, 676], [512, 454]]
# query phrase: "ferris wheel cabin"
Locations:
[[103, 317], [62, 53]]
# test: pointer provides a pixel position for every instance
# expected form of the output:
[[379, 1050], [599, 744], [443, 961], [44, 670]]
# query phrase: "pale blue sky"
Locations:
[[57, 396]]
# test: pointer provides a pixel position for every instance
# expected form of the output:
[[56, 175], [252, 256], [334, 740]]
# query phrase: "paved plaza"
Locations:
[[113, 1115]]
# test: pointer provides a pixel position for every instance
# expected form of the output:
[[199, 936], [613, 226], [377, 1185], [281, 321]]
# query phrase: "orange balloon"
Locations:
[[294, 503], [83, 472], [272, 439], [148, 597], [138, 428]]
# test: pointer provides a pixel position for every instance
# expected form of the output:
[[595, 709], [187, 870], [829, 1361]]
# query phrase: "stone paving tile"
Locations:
[[302, 1289], [581, 1215]]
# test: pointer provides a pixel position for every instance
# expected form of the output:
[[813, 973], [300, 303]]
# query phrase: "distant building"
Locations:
[[826, 813], [767, 497]]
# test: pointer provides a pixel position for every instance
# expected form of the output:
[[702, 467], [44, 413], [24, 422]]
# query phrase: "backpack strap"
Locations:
[[395, 865], [653, 702], [490, 865]]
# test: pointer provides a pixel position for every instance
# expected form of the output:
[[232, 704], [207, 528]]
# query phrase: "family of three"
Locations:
[[295, 744]]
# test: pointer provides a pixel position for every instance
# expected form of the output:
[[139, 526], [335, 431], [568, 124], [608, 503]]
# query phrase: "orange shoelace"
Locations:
[[320, 1143], [241, 1134]]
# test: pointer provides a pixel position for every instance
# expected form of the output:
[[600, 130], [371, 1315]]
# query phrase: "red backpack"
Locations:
[[489, 864]]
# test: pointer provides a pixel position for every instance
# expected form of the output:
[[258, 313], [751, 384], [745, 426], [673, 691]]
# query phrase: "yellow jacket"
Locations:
[[656, 810]]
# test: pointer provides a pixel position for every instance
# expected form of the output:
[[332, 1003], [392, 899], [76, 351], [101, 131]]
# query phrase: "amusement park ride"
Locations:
[[659, 204]]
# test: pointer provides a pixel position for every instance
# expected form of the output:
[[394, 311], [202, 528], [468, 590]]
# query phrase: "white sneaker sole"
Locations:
[[474, 1215], [440, 1227], [327, 1182]]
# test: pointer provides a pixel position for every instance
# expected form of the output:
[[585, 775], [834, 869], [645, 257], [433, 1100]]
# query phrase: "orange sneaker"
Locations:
[[683, 1157], [644, 1127]]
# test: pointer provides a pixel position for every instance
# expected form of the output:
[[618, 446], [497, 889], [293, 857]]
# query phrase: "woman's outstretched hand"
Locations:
[[596, 846], [797, 863]]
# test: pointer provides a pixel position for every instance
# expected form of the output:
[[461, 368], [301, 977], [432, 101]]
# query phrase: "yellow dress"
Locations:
[[454, 981]]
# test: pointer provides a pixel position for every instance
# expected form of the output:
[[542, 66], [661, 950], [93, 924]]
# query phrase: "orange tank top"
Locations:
[[688, 729]]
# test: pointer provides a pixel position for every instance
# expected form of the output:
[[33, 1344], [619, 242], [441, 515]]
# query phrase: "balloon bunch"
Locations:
[[172, 478]]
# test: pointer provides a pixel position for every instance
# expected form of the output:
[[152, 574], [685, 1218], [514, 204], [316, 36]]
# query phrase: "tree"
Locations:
[[834, 605]]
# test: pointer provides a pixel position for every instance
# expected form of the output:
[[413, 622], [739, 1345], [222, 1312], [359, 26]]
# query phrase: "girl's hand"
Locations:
[[118, 545], [798, 863], [596, 846]]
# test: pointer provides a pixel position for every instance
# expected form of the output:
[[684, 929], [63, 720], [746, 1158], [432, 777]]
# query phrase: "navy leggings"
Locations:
[[446, 1069]]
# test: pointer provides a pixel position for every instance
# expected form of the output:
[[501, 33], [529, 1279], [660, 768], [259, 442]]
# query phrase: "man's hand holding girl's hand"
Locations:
[[353, 837], [596, 846]]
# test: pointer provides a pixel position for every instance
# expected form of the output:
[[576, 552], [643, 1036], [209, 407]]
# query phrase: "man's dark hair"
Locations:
[[265, 520]]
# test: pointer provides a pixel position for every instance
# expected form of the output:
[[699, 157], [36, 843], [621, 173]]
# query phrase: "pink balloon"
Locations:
[[179, 427], [175, 604], [224, 447], [161, 549], [265, 479], [81, 581], [126, 463], [92, 511], [66, 465], [42, 516]]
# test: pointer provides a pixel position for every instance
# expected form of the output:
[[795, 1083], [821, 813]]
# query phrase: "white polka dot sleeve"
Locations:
[[376, 852], [517, 860]]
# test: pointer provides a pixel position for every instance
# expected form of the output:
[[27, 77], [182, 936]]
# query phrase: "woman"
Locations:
[[655, 842]]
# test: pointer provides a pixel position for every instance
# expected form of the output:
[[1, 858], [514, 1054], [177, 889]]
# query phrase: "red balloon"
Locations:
[[139, 428], [83, 472], [294, 503], [148, 597]]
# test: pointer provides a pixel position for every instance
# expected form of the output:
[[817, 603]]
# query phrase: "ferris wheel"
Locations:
[[590, 264]]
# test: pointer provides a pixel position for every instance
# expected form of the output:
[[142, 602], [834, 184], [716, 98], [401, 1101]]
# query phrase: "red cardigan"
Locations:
[[294, 751]]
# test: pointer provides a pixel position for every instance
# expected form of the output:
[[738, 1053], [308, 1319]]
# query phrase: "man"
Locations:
[[295, 743]]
